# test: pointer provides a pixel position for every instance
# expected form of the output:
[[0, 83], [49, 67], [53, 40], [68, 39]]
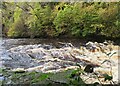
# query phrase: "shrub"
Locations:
[[18, 29]]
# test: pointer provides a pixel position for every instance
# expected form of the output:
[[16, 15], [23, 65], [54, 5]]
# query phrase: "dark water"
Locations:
[[9, 43]]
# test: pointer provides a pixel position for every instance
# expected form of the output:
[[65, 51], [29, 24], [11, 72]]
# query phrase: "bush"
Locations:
[[63, 19], [18, 29], [76, 20], [41, 21]]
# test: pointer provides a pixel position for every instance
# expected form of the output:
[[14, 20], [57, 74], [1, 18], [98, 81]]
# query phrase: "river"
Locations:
[[9, 43], [46, 55], [6, 44]]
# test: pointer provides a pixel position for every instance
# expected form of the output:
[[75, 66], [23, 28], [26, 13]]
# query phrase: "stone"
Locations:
[[19, 70]]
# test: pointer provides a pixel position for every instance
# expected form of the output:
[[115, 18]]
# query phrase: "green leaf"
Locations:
[[43, 76], [107, 77]]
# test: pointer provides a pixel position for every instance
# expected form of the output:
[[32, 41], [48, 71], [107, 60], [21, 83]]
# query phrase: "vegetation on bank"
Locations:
[[70, 77], [61, 19]]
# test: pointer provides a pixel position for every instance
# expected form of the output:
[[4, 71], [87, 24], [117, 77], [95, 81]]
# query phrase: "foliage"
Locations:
[[61, 19], [18, 29], [63, 22], [107, 77], [40, 22]]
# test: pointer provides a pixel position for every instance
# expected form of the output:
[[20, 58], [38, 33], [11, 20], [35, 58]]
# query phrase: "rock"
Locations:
[[36, 53], [65, 44], [89, 69], [19, 70], [45, 67]]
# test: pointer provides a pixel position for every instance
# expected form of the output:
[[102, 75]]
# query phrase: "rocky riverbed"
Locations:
[[103, 57]]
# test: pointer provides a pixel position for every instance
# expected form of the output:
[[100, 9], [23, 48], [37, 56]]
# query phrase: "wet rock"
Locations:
[[63, 45], [36, 53], [18, 70], [47, 47]]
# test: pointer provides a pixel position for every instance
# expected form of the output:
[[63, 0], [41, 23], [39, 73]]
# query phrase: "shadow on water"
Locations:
[[9, 43]]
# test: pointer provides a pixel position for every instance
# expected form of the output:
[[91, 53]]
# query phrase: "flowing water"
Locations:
[[54, 54], [9, 43], [6, 44]]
